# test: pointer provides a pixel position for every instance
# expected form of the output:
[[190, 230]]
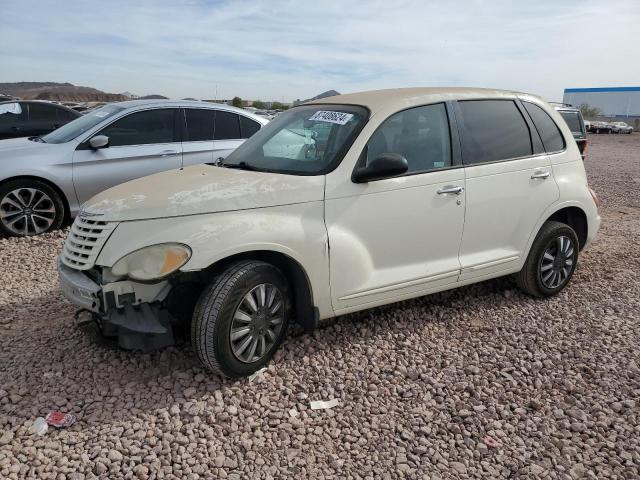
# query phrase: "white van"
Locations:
[[335, 206]]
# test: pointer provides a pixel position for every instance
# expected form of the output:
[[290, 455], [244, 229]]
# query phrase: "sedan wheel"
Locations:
[[29, 208]]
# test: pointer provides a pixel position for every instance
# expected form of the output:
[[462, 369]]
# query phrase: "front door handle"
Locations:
[[541, 174], [168, 153], [450, 190]]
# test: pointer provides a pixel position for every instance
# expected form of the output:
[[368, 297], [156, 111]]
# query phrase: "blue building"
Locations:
[[614, 103]]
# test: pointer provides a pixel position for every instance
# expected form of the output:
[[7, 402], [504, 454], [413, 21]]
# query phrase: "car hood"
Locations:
[[201, 189], [23, 143]]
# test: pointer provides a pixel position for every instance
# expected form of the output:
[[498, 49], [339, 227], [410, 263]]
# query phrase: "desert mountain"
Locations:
[[58, 91]]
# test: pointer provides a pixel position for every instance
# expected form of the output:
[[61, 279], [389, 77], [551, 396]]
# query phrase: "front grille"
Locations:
[[85, 241]]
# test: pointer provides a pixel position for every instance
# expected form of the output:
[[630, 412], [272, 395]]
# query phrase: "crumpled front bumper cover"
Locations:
[[78, 288]]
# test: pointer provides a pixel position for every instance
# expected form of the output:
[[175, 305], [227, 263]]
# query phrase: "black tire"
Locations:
[[48, 205], [214, 313], [531, 278]]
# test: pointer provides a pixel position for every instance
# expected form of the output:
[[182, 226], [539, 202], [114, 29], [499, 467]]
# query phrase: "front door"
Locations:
[[399, 237], [140, 144]]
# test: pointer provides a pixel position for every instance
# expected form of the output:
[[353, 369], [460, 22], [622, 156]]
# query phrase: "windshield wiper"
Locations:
[[37, 139], [240, 166]]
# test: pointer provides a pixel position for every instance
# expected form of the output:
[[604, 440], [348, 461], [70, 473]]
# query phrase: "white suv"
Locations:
[[335, 206]]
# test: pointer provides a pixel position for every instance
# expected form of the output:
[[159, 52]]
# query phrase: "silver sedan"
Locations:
[[44, 180]]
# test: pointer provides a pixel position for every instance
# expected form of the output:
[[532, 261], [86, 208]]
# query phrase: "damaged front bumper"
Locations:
[[128, 310]]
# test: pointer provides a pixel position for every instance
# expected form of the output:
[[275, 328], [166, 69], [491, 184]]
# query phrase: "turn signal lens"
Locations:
[[152, 263], [594, 196]]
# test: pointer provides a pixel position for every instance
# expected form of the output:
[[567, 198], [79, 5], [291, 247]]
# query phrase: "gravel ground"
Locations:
[[480, 382]]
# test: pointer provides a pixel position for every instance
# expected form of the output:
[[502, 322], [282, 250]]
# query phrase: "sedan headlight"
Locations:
[[152, 263]]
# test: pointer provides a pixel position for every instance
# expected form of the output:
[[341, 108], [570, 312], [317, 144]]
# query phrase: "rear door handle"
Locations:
[[168, 153], [541, 174], [450, 190]]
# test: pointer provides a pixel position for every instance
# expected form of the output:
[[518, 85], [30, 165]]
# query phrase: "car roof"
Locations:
[[188, 103], [380, 99], [44, 102]]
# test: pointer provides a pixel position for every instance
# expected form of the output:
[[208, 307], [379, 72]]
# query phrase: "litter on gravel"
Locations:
[[60, 420], [39, 426], [255, 375], [322, 404]]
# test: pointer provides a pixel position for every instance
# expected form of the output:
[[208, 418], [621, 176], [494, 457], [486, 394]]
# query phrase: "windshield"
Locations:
[[306, 140], [573, 120], [81, 124]]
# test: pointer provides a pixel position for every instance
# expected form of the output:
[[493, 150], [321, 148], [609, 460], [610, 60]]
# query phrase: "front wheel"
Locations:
[[241, 318], [29, 207], [551, 262]]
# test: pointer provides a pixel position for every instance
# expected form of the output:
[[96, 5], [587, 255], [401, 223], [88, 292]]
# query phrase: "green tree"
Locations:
[[588, 111], [259, 105], [236, 102], [279, 106]]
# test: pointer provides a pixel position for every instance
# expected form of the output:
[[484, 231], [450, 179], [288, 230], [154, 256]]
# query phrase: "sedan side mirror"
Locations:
[[385, 165], [99, 141]]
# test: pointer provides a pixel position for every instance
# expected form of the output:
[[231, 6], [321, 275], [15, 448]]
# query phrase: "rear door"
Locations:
[[509, 184], [42, 119], [13, 118], [140, 144], [197, 141]]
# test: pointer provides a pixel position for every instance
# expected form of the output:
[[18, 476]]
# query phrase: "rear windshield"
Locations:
[[573, 120], [81, 124]]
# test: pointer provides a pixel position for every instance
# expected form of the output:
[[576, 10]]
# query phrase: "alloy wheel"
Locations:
[[27, 211], [257, 323], [557, 262]]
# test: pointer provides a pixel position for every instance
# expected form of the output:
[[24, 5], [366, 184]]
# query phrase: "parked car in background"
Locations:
[[573, 117], [28, 118], [46, 178], [621, 127], [600, 127], [337, 205]]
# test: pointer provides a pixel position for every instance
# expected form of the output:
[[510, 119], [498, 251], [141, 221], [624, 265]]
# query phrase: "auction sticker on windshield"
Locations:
[[340, 118]]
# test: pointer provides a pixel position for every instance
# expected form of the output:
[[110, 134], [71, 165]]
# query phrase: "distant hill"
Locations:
[[58, 91], [328, 93]]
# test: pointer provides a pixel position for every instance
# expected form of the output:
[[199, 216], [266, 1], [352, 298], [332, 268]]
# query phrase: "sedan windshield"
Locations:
[[306, 140], [81, 124]]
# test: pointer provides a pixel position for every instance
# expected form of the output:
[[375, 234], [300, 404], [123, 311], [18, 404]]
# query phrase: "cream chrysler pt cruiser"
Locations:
[[335, 206]]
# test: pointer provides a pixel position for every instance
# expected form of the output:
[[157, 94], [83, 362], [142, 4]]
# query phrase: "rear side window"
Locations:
[[547, 128], [65, 115], [10, 113], [142, 128], [227, 126], [573, 121], [493, 130], [200, 124], [421, 135], [248, 127], [39, 112]]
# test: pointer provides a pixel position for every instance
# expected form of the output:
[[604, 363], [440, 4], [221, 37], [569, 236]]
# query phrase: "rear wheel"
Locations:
[[29, 207], [241, 318], [551, 262]]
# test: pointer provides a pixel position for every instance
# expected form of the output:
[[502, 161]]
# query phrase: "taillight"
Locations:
[[585, 146], [594, 196]]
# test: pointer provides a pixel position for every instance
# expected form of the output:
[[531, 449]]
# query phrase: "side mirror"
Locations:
[[99, 141], [386, 165]]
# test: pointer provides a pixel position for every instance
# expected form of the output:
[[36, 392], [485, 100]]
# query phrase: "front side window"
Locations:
[[82, 124], [65, 115], [305, 140], [200, 124], [41, 112], [547, 128], [142, 128], [421, 135], [493, 130], [227, 126]]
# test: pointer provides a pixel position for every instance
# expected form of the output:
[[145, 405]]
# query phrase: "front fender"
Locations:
[[297, 231]]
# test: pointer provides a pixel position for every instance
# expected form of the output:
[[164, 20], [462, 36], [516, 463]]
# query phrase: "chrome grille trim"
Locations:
[[85, 241]]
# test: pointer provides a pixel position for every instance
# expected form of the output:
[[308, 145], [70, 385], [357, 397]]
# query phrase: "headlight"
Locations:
[[152, 263]]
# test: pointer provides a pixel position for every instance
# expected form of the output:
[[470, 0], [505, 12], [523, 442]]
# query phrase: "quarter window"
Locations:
[[200, 123], [227, 126], [548, 130], [493, 130], [141, 128], [248, 127], [421, 135]]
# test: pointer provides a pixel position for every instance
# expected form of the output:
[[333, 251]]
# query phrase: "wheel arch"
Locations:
[[576, 218], [56, 188], [306, 312]]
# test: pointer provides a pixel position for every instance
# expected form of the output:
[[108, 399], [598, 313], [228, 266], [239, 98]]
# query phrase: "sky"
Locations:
[[283, 50]]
